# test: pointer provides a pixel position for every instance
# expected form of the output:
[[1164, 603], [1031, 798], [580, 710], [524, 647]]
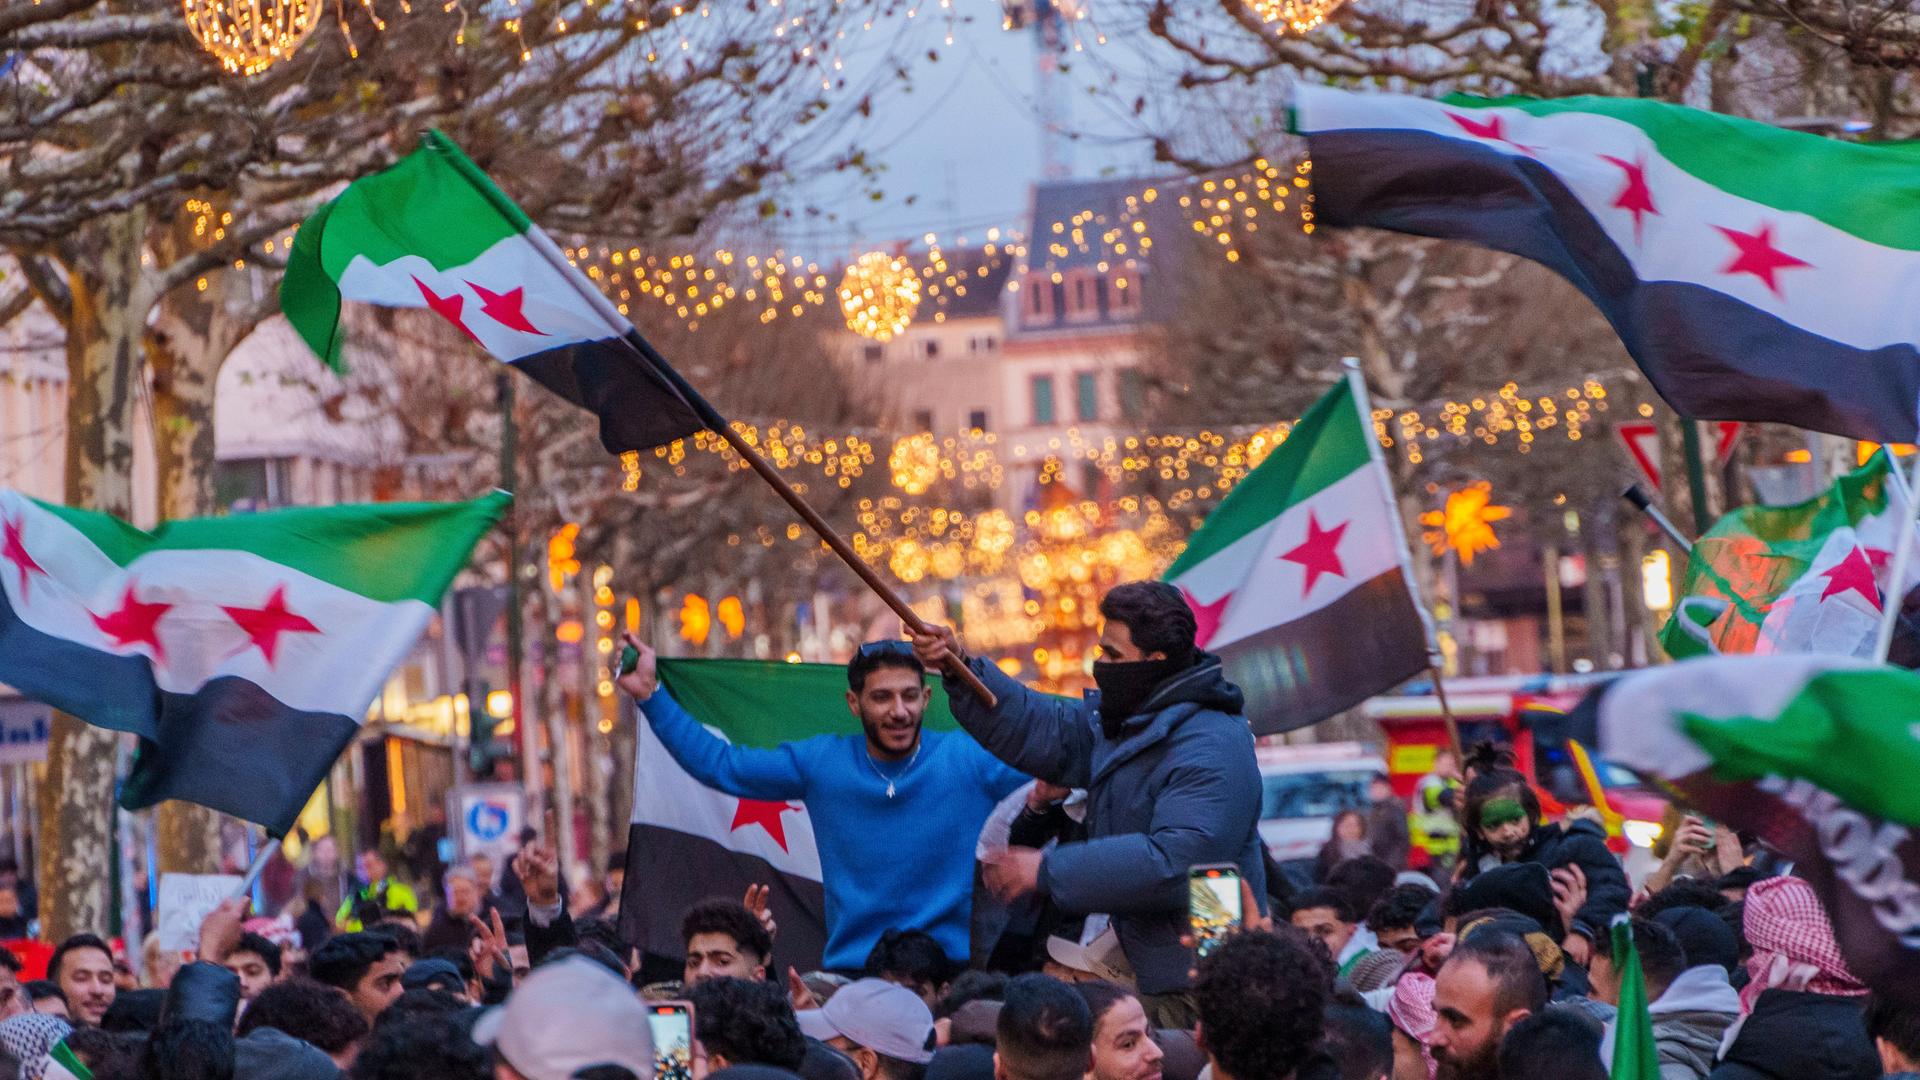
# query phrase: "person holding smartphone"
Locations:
[[1167, 761], [895, 809]]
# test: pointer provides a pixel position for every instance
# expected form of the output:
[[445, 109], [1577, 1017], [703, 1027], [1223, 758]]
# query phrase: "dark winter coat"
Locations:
[[1794, 1035], [1178, 787], [1584, 844]]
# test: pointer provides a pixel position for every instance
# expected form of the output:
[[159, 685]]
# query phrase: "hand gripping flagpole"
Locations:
[[1895, 593], [648, 356], [1357, 383]]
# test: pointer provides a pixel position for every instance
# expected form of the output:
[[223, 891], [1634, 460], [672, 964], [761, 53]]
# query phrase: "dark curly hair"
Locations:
[[1156, 616], [1401, 906], [1262, 999], [747, 1023], [729, 917], [344, 959], [1684, 892], [1494, 776], [425, 1041], [972, 985], [1364, 878], [911, 956], [308, 1010]]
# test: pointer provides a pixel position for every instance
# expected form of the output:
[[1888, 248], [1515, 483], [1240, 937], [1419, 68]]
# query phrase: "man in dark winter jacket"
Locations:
[[1167, 761]]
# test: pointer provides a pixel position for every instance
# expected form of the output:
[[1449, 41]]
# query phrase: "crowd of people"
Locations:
[[1074, 825]]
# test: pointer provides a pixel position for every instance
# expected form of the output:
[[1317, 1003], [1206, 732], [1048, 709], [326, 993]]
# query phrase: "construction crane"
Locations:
[[1047, 19]]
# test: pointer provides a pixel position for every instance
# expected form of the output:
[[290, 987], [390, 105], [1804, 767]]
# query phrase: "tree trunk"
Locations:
[[190, 339], [110, 303]]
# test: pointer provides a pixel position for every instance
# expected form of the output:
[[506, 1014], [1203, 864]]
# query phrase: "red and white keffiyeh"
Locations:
[[1793, 943]]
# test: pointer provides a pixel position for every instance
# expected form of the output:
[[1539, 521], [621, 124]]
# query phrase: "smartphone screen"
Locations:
[[670, 1023], [1213, 904]]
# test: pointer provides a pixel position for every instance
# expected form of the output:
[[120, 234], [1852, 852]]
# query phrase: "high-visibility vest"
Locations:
[[1433, 827]]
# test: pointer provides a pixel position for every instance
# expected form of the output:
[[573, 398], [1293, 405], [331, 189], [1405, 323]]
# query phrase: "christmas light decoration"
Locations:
[[879, 295], [1298, 16], [1465, 524], [250, 36]]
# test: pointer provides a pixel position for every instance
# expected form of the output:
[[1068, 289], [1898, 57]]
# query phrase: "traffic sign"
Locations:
[[1642, 439]]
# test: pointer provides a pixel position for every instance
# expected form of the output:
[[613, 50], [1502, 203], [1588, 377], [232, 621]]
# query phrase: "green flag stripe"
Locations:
[[766, 702], [1871, 190], [1327, 444], [383, 551], [1848, 732]]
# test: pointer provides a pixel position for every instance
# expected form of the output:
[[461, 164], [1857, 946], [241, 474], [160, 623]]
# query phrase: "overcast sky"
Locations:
[[961, 147]]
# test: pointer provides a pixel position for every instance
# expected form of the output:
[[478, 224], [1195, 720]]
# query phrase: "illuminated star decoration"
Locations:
[[447, 307], [1636, 197], [14, 550], [1758, 256], [1319, 553], [1851, 574], [264, 625], [764, 814], [135, 623], [506, 308]]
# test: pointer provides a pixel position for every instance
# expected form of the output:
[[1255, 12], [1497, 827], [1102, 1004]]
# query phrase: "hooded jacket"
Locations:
[[1690, 1019], [1584, 844], [1177, 787], [1795, 1035]]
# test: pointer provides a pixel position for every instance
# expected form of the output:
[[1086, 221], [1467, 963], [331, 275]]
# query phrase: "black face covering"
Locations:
[[1125, 687]]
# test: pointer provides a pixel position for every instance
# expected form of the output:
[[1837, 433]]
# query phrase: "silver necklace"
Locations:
[[919, 744]]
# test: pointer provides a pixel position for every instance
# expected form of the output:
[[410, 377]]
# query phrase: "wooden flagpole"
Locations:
[[1362, 401], [718, 424]]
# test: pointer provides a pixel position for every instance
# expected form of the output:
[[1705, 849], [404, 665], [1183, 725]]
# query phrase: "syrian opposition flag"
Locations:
[[1808, 578], [1754, 273], [1299, 579], [1816, 755], [433, 231], [242, 650], [689, 842]]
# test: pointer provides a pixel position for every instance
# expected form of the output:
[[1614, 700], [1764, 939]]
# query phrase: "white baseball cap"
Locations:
[[874, 1013], [1102, 957], [566, 1016]]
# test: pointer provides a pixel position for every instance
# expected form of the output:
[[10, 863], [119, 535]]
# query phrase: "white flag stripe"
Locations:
[[1636, 716], [1848, 275], [1275, 590], [336, 670], [548, 302], [665, 796]]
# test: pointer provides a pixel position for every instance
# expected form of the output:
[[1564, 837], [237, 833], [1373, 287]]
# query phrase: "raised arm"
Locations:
[[1201, 816], [743, 772], [1048, 738]]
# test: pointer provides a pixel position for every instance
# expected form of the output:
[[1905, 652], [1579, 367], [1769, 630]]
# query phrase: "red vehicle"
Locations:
[[1504, 709]]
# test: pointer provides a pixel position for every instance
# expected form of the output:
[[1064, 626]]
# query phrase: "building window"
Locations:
[[977, 420], [873, 351], [1082, 290], [1036, 305], [1042, 386], [253, 483], [923, 419], [981, 343], [1123, 294], [1086, 395], [1133, 393]]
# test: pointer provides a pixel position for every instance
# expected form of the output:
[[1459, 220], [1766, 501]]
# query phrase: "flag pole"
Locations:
[[267, 847], [718, 424], [1357, 383], [1896, 592]]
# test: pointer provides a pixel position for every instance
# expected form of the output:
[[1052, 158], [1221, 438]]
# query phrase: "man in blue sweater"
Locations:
[[896, 811]]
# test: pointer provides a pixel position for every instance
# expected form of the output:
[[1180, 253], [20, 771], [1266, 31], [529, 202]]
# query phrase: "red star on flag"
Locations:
[[505, 308], [1877, 558], [1319, 552], [1853, 573], [1758, 255], [1493, 127], [1206, 617], [264, 625], [1636, 197], [764, 814], [447, 307], [135, 623], [14, 550]]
